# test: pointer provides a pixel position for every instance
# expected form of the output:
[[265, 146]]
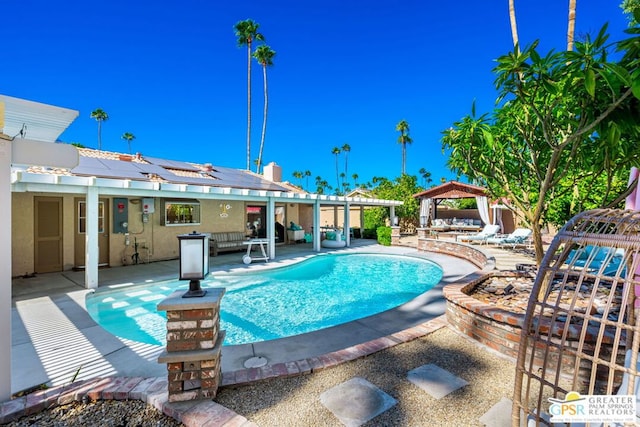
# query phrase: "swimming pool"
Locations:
[[317, 293]]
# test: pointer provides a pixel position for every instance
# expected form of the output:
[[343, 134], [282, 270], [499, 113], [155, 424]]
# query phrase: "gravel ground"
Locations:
[[104, 413], [295, 401]]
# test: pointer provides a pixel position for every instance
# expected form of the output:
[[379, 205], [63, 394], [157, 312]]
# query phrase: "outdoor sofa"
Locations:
[[226, 241]]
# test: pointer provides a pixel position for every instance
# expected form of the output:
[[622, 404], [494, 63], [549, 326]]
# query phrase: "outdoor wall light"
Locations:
[[194, 262]]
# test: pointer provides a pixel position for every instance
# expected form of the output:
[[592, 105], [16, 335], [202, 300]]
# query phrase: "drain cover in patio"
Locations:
[[356, 401]]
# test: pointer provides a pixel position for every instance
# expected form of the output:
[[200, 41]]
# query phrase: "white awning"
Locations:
[[33, 120]]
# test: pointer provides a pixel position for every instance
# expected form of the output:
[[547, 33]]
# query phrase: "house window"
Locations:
[[82, 217], [181, 212]]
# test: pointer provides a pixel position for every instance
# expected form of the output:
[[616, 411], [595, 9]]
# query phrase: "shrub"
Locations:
[[384, 235], [369, 233]]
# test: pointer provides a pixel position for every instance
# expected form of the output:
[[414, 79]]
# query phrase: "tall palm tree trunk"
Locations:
[[249, 105], [99, 134], [404, 156], [264, 116], [514, 26], [571, 27]]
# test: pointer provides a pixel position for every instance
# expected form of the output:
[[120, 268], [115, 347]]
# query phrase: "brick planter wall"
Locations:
[[500, 330], [478, 257]]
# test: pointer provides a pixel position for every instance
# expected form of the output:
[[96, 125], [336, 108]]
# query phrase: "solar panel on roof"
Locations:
[[171, 164]]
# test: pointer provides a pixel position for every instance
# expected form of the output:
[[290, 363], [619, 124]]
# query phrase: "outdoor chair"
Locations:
[[518, 237], [488, 231]]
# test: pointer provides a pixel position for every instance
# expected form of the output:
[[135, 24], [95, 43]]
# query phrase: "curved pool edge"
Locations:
[[387, 326]]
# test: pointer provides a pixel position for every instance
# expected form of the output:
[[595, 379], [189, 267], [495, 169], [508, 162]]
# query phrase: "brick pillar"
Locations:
[[423, 233], [395, 235], [194, 345]]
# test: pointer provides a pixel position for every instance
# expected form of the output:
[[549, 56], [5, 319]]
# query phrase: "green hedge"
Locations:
[[384, 235], [369, 233]]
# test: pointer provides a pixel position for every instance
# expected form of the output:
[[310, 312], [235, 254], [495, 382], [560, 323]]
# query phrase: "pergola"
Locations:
[[431, 198]]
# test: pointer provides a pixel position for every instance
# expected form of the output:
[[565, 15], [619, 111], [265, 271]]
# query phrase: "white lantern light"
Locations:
[[194, 261]]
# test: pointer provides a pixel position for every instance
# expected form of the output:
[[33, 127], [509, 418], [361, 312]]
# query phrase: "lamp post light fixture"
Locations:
[[194, 262]]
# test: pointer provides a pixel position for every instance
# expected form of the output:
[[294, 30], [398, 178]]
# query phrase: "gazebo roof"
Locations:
[[452, 190]]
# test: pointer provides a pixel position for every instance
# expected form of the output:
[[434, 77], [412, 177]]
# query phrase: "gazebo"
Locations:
[[431, 198]]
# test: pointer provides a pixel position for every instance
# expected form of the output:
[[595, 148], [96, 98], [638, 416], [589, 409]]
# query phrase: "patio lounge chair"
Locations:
[[592, 258], [518, 237], [489, 230]]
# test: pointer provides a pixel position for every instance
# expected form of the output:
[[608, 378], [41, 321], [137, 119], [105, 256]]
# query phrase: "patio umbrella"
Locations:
[[425, 211]]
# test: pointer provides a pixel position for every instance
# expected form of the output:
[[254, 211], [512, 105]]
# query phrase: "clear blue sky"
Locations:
[[345, 72]]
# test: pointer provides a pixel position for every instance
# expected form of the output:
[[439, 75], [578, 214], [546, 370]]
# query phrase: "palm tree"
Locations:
[[512, 20], [336, 151], [307, 174], [346, 148], [100, 115], [355, 180], [128, 136], [298, 175], [345, 184], [571, 27], [404, 139], [426, 177], [264, 55], [247, 32]]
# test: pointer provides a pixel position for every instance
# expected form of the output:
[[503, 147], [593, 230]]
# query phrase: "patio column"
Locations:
[[91, 240], [316, 226], [271, 228], [5, 265], [347, 224]]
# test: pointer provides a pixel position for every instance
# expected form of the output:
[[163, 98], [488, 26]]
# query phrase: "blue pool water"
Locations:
[[320, 292]]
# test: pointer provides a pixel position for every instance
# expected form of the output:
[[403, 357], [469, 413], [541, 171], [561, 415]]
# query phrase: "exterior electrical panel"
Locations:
[[120, 215], [148, 205]]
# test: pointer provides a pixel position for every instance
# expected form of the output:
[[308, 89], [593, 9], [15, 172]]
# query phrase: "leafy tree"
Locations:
[[404, 139], [264, 55], [100, 115], [632, 9], [566, 118], [128, 136], [401, 188], [246, 32]]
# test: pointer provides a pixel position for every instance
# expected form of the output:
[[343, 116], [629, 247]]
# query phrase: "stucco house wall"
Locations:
[[155, 241]]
